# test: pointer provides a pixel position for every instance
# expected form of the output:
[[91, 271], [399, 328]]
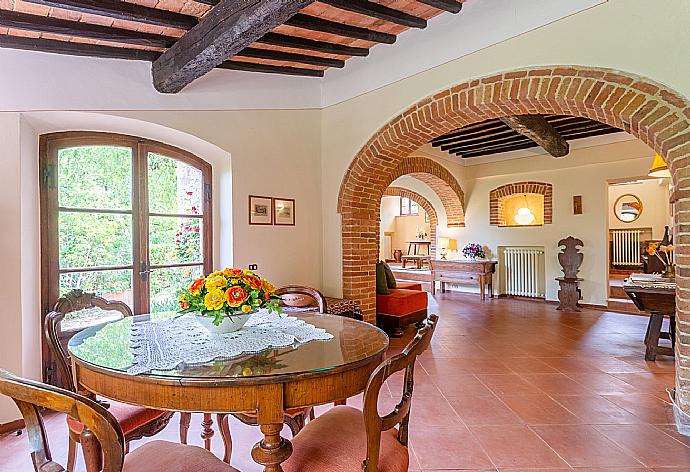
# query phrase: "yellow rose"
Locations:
[[216, 280], [234, 281], [246, 308], [214, 299], [247, 272], [267, 286]]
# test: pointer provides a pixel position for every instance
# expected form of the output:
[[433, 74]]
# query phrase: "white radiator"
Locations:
[[523, 269], [626, 247]]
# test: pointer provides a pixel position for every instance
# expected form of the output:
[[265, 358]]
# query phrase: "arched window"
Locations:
[[124, 217]]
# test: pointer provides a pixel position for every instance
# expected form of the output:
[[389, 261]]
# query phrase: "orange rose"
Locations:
[[231, 273], [253, 281], [196, 286], [184, 305], [235, 296]]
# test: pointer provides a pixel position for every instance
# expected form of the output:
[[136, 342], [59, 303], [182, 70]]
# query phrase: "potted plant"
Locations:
[[474, 251], [224, 300]]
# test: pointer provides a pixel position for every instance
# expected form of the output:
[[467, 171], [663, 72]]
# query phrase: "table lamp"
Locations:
[[445, 244]]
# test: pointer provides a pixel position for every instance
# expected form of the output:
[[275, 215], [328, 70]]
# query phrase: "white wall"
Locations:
[[656, 210], [390, 209]]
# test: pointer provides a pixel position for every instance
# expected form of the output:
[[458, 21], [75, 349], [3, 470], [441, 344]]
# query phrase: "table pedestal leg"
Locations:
[[207, 432], [273, 449]]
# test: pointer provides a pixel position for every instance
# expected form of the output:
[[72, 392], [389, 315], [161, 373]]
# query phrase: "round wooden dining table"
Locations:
[[268, 383]]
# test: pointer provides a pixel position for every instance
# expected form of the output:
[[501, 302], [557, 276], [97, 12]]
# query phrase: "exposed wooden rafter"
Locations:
[[47, 24], [283, 40], [376, 10], [448, 5], [227, 29], [76, 49], [124, 11], [291, 57], [536, 128], [314, 23], [254, 67]]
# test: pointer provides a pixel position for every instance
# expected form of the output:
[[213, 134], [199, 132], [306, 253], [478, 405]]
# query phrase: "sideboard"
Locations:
[[479, 272]]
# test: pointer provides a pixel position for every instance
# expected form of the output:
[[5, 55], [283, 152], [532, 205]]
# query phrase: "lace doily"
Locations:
[[164, 345]]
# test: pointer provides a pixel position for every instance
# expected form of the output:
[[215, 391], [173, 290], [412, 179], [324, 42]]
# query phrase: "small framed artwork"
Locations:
[[284, 211], [260, 210]]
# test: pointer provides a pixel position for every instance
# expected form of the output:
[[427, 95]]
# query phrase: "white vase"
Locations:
[[228, 325]]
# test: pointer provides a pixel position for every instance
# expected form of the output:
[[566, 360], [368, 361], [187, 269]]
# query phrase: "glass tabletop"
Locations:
[[108, 346]]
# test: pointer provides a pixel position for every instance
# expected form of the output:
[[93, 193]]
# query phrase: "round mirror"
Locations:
[[628, 208]]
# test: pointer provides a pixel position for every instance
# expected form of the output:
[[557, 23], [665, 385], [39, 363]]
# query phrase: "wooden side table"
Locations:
[[416, 244], [658, 302]]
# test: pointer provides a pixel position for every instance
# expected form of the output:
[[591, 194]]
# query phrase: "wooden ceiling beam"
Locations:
[[483, 140], [271, 69], [76, 49], [490, 144], [488, 152], [536, 128], [47, 24], [314, 23], [376, 10], [291, 57], [471, 130], [124, 11], [296, 42], [447, 5], [223, 32]]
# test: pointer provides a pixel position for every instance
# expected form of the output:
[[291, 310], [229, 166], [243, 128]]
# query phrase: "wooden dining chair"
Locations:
[[345, 439], [294, 419], [102, 433], [136, 422]]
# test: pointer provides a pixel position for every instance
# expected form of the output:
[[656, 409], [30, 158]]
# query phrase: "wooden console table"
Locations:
[[658, 300], [480, 272]]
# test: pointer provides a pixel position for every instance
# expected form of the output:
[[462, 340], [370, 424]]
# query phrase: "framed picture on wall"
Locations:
[[260, 210], [284, 211]]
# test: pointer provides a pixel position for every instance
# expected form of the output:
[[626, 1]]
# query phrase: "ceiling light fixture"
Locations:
[[659, 168]]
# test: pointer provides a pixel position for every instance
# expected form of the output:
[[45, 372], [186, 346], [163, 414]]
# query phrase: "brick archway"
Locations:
[[441, 181], [651, 112], [497, 195], [422, 202]]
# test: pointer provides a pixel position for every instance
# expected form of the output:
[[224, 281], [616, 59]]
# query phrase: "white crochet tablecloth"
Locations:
[[165, 345]]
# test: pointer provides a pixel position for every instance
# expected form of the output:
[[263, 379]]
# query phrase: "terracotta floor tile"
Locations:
[[557, 384], [516, 446], [648, 445], [433, 411], [483, 410], [539, 409], [584, 446], [460, 384], [595, 409], [526, 365], [454, 448], [649, 408], [603, 384], [509, 384], [569, 364]]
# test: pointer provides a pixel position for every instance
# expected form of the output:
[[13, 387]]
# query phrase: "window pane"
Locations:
[[175, 240], [174, 187], [165, 283], [414, 208], [109, 284], [405, 206], [94, 239], [95, 177]]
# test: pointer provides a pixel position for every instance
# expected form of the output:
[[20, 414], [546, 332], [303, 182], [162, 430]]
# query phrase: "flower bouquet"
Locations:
[[473, 251], [224, 300], [665, 254]]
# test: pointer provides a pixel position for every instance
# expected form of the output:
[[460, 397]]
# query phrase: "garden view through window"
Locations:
[[131, 219]]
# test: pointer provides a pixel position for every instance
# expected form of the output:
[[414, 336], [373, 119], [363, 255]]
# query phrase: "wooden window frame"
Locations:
[[409, 206], [49, 144]]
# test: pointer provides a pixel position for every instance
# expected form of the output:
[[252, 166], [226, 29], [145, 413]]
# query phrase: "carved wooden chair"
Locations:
[[345, 439], [104, 434], [136, 422], [294, 419]]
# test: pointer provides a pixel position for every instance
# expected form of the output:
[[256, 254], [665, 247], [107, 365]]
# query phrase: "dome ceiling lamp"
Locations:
[[524, 215], [659, 168]]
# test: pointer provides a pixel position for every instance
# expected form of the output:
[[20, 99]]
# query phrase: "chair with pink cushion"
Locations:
[[345, 439], [103, 433]]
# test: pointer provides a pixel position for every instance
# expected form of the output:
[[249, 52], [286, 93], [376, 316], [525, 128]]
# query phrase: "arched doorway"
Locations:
[[649, 111], [422, 202]]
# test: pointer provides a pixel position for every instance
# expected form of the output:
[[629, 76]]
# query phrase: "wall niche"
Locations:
[[521, 204]]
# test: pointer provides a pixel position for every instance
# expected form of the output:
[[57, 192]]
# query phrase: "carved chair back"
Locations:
[[301, 290], [376, 424], [31, 397], [74, 300]]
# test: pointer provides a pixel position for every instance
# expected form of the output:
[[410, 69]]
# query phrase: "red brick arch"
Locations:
[[441, 181], [424, 203], [497, 195], [649, 111]]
